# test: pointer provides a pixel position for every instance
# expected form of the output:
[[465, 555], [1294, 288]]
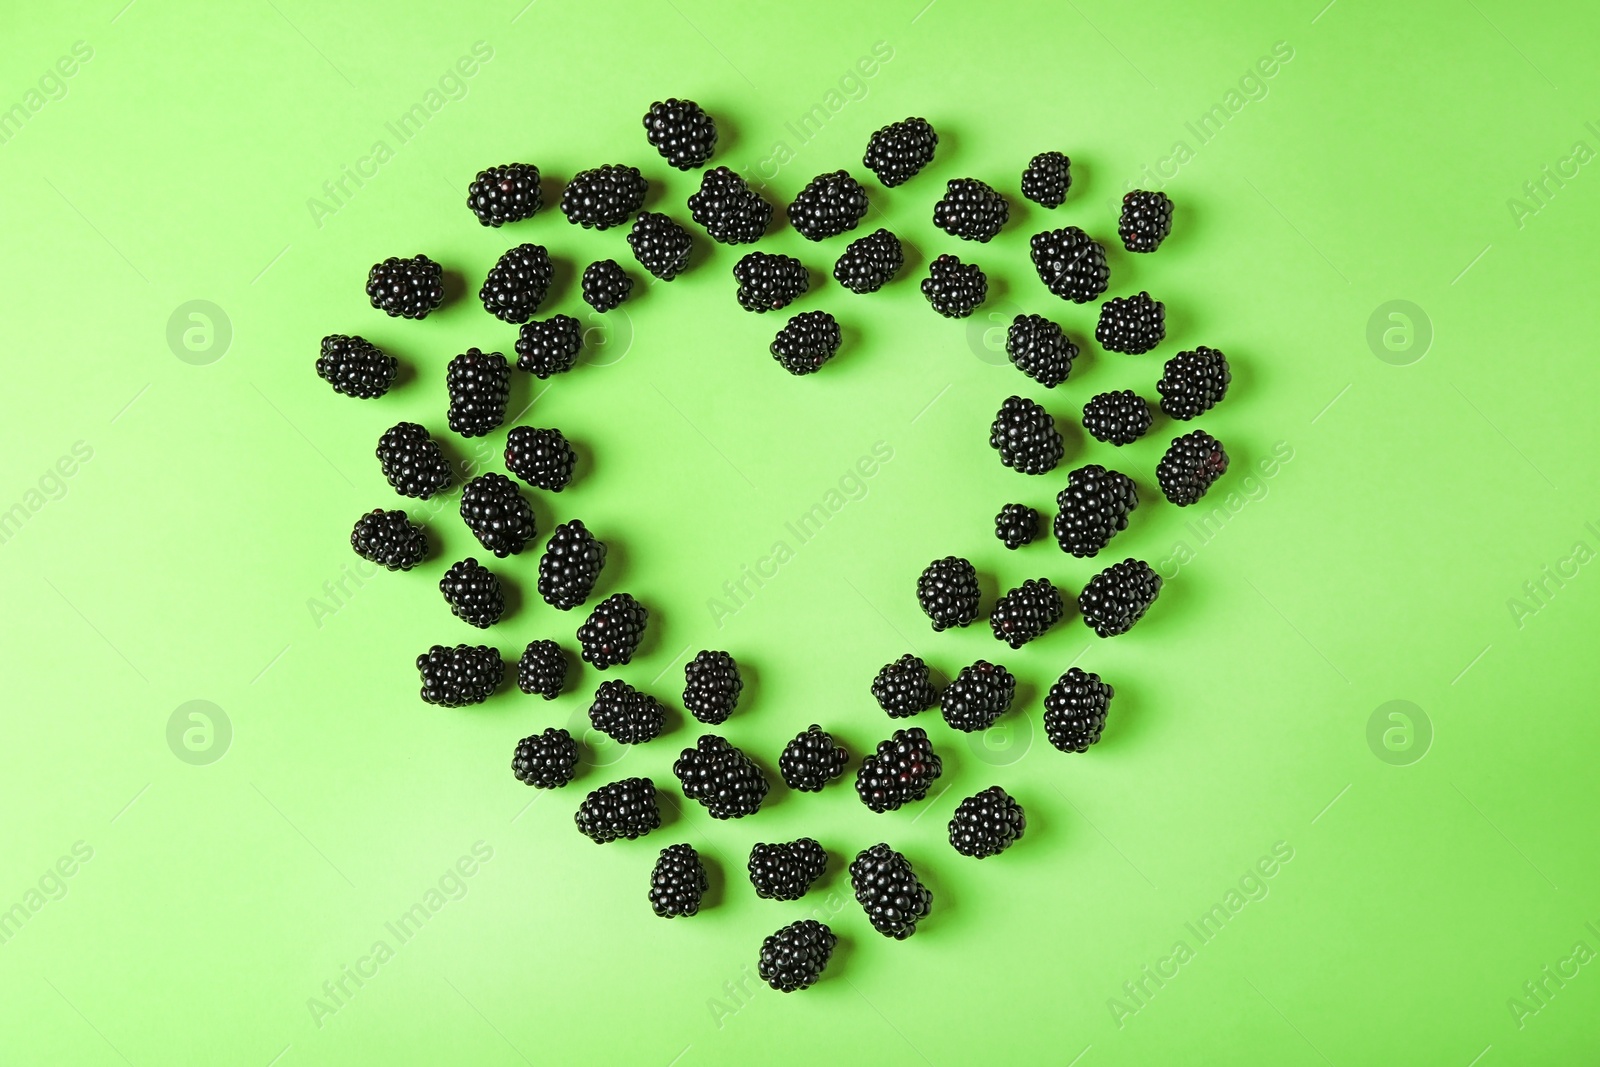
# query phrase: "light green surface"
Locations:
[[211, 497]]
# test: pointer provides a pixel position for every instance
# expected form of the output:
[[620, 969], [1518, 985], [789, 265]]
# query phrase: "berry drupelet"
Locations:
[[729, 210], [1016, 525], [947, 591], [786, 871], [542, 458], [570, 565], [625, 714], [1191, 463], [1131, 324], [1075, 710], [887, 887], [1040, 349], [987, 823], [829, 205], [1026, 437], [390, 539], [869, 262], [806, 342], [953, 288], [812, 760], [795, 957], [711, 686], [979, 695], [473, 593], [1117, 418], [508, 193], [970, 210], [498, 516], [613, 630], [681, 131], [1146, 220], [623, 809], [546, 347], [899, 771], [660, 245], [547, 760], [896, 152], [1071, 264], [412, 462], [1092, 509], [408, 288], [479, 384], [542, 669], [356, 367], [1118, 597], [1047, 178], [517, 284], [726, 781], [678, 882], [604, 196], [1192, 382], [459, 676], [905, 687], [1026, 612], [605, 285], [769, 281]]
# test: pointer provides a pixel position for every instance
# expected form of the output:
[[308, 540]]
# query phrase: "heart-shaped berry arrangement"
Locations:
[[1091, 510]]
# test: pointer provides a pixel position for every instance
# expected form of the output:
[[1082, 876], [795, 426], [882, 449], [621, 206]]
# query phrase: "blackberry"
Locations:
[[1075, 710], [887, 887], [517, 284], [947, 590], [473, 593], [677, 882], [479, 384], [970, 210], [806, 342], [1192, 382], [625, 714], [604, 196], [954, 288], [1047, 178], [869, 262], [812, 760], [549, 346], [508, 193], [406, 287], [1026, 437], [459, 676], [1071, 264], [786, 871], [542, 669], [605, 285], [570, 565], [1146, 220], [711, 686], [897, 151], [899, 771], [547, 760], [1191, 463], [389, 538], [905, 687], [542, 458], [1016, 525], [727, 782], [987, 823], [1026, 612], [622, 809], [356, 367], [1118, 597], [660, 245], [768, 282], [611, 633], [980, 694], [1131, 324], [829, 205], [412, 462], [1038, 348], [495, 512], [795, 957], [1093, 509], [681, 131], [729, 210], [1118, 418]]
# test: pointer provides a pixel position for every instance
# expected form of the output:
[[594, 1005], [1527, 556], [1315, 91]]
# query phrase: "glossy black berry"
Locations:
[[547, 760], [517, 284], [729, 784], [829, 205], [1026, 612], [1191, 463], [812, 760], [498, 516], [542, 458], [542, 669], [1016, 525], [1131, 324], [625, 714], [897, 151], [1118, 597], [904, 687], [1071, 264], [660, 245], [887, 887], [1040, 349], [869, 262], [356, 367], [795, 957], [613, 630], [508, 193], [899, 771], [711, 686], [605, 285], [1146, 220], [624, 809], [1026, 437], [681, 131], [678, 882], [459, 676], [947, 590], [546, 347], [1075, 710], [1047, 178], [473, 593], [408, 288], [806, 342], [953, 288], [1192, 382], [768, 281], [987, 823], [1117, 418], [570, 565], [786, 870], [979, 695], [412, 462], [390, 539], [479, 384], [603, 197], [970, 210], [729, 210], [1092, 509]]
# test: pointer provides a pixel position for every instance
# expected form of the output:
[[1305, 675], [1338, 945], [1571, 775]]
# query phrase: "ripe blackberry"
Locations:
[[947, 590], [570, 565], [1026, 612], [1026, 437], [604, 196], [623, 809], [406, 287], [473, 593], [897, 151], [389, 538], [1093, 509], [479, 384], [1118, 418], [768, 282], [542, 458], [542, 669], [547, 760], [660, 245], [1191, 463], [806, 342], [869, 262], [355, 366], [979, 695], [987, 823], [812, 760], [711, 686], [611, 633], [677, 882], [1047, 178], [829, 205], [1075, 710], [1146, 220], [605, 285], [729, 210], [459, 676], [1118, 597], [887, 887], [625, 714], [495, 512], [1016, 525], [727, 782], [1038, 348], [970, 210], [1071, 264], [899, 771], [786, 871], [904, 687], [508, 193], [1192, 382], [954, 288], [517, 283], [412, 462], [795, 957], [681, 131], [549, 346], [1131, 324]]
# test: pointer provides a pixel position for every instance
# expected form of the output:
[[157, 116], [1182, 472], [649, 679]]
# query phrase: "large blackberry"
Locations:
[[1016, 525], [542, 669], [570, 565], [795, 957], [681, 131], [979, 695], [806, 342], [677, 882], [356, 367], [1075, 710], [729, 210], [406, 287], [869, 262], [473, 593], [542, 458], [549, 346], [412, 462], [1131, 324], [899, 771], [1118, 597], [605, 285], [1118, 418], [493, 509], [947, 590], [459, 676], [546, 760], [660, 245], [625, 714], [1038, 348], [1026, 437], [1146, 220], [711, 686], [768, 281], [604, 196], [887, 887], [611, 633], [1191, 463], [786, 871], [970, 210], [829, 205], [727, 782], [904, 687], [389, 538], [1071, 264], [812, 760], [479, 384], [955, 289], [623, 809], [508, 193], [1026, 612], [1093, 509], [1047, 178], [1192, 382], [517, 284], [897, 151], [987, 823]]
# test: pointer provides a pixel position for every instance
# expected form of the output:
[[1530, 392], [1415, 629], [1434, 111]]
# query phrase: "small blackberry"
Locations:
[[542, 458], [542, 669], [979, 695], [899, 771], [1016, 525], [1026, 612], [546, 760], [711, 686], [479, 384], [806, 342], [729, 210], [517, 284], [508, 193], [660, 245], [768, 282], [623, 809], [812, 760], [1191, 463], [406, 287], [1192, 382], [677, 882], [905, 687], [570, 565], [829, 205], [1093, 509], [459, 676], [356, 367], [681, 131], [1038, 348], [493, 509], [1026, 437], [897, 151], [869, 262], [389, 538], [1075, 710], [604, 196], [987, 823], [613, 630], [549, 346], [955, 289], [1071, 264], [605, 285], [1118, 418], [413, 463], [1118, 597], [947, 590], [795, 957], [727, 782], [1047, 178], [970, 210], [473, 593], [1146, 220], [625, 714], [887, 887], [1131, 324], [786, 871]]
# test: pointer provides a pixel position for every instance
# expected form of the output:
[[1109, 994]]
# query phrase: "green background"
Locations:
[[1424, 464]]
